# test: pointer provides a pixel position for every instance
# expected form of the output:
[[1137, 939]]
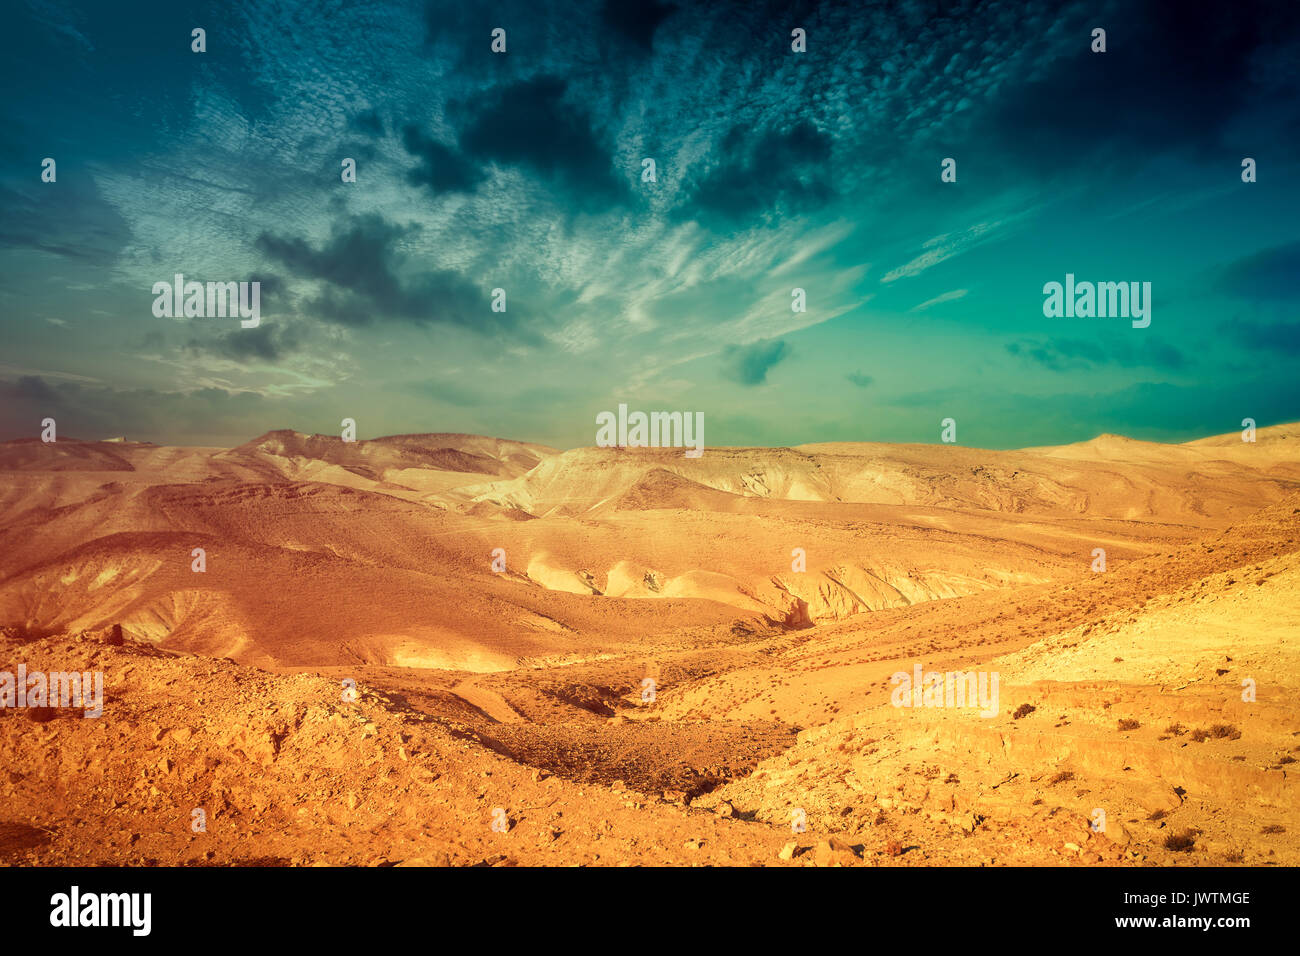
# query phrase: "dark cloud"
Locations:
[[1162, 59], [859, 379], [1282, 337], [95, 411], [459, 36], [1061, 354], [268, 342], [29, 388], [270, 286], [441, 168], [362, 270], [786, 170], [530, 124], [527, 124], [1271, 274], [357, 257], [749, 364], [367, 123], [635, 20], [67, 218], [462, 24]]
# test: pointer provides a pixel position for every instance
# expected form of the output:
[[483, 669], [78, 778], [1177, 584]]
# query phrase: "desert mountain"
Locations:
[[524, 689], [323, 551]]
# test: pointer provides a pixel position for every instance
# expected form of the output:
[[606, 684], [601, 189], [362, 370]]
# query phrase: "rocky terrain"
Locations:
[[626, 657]]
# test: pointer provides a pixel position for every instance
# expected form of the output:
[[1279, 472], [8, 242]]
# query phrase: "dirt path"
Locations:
[[490, 702]]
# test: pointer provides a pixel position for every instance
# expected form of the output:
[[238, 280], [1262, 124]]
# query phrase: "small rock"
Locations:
[[834, 852], [1117, 834]]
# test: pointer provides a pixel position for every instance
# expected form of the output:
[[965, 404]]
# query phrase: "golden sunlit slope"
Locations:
[[1276, 443], [1107, 477], [1170, 708]]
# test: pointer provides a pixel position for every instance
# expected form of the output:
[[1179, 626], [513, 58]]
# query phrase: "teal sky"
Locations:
[[818, 170]]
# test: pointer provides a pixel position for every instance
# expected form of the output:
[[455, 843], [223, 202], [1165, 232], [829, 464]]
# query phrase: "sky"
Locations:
[[525, 171]]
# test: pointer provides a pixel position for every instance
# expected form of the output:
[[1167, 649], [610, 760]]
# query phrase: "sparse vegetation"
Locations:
[[1126, 723], [1024, 710], [1216, 732], [1180, 842]]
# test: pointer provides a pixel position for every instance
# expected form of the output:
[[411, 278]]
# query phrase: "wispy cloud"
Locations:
[[941, 248], [939, 299]]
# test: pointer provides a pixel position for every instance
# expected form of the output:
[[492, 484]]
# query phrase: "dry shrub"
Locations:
[[1216, 732]]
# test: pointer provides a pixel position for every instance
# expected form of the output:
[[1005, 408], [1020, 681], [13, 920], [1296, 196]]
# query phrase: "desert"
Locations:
[[354, 679]]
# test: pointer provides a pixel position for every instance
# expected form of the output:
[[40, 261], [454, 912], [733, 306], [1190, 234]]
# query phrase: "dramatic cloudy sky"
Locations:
[[776, 170]]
